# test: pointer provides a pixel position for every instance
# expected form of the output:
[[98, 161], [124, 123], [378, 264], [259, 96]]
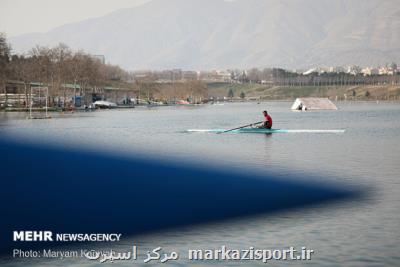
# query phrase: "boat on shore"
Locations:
[[104, 104]]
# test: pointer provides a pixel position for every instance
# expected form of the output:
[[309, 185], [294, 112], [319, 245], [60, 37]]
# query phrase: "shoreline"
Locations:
[[80, 110]]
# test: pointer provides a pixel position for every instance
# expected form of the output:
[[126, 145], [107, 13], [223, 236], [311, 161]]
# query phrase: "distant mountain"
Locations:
[[209, 34]]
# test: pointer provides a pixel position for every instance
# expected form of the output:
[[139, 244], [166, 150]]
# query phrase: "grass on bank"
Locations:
[[267, 92]]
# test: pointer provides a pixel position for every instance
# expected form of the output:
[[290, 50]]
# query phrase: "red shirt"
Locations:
[[268, 121]]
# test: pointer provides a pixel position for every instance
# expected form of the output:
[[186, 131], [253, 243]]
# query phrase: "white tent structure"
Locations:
[[313, 103]]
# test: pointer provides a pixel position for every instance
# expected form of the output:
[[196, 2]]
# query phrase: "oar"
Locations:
[[237, 128]]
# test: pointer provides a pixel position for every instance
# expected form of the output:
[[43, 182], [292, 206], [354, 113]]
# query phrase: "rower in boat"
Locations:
[[267, 124]]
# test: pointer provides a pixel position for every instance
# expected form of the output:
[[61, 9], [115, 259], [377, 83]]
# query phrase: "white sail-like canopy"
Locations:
[[313, 103]]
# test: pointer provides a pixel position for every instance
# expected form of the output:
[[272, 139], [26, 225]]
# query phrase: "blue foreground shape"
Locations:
[[70, 191]]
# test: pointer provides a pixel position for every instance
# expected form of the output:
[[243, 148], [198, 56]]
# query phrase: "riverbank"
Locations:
[[269, 92], [247, 100]]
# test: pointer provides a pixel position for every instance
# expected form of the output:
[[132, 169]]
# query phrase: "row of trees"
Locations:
[[282, 77], [60, 69], [4, 60], [192, 91], [231, 94], [56, 67]]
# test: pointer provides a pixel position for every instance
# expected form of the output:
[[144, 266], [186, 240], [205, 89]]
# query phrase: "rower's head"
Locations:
[[265, 113]]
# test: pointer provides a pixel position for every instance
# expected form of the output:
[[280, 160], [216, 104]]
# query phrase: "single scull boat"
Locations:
[[264, 131]]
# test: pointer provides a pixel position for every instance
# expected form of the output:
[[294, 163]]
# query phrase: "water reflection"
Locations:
[[367, 154]]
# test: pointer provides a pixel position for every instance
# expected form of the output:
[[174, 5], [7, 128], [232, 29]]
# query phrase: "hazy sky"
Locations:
[[24, 16]]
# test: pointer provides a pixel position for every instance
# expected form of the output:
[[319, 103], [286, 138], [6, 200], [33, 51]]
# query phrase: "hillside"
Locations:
[[215, 34], [263, 92]]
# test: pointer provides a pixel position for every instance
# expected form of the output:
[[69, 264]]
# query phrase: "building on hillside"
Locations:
[[353, 70], [142, 75], [337, 69], [190, 75], [369, 71], [215, 76], [386, 71]]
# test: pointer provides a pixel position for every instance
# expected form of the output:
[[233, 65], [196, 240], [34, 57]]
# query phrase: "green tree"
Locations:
[[242, 95], [4, 49], [230, 93]]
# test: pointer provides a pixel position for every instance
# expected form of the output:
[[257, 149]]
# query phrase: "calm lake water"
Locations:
[[367, 154]]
